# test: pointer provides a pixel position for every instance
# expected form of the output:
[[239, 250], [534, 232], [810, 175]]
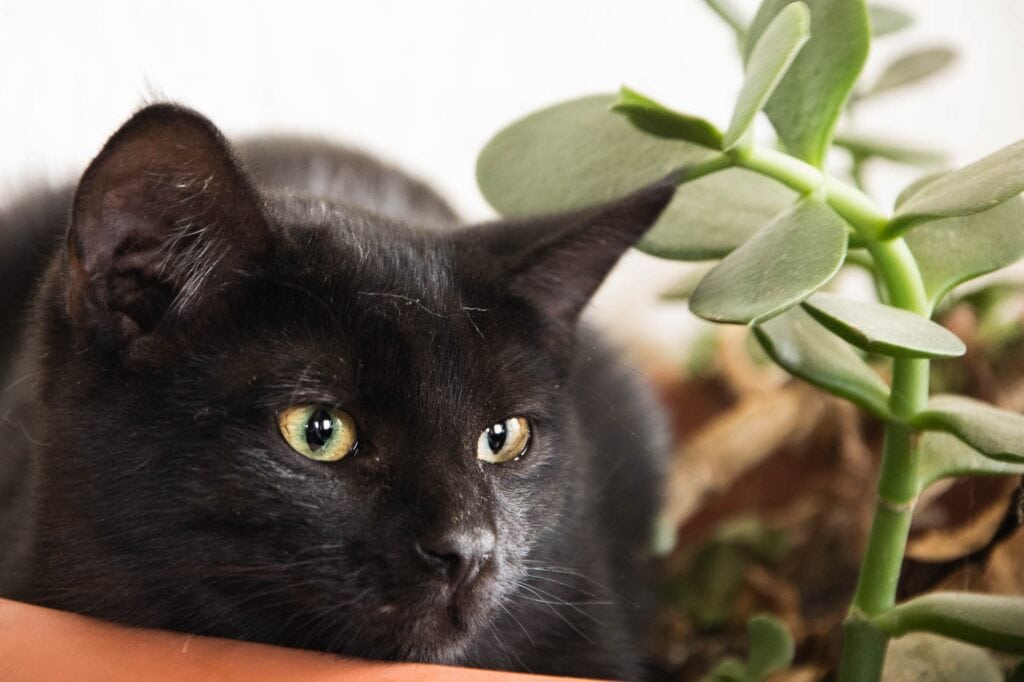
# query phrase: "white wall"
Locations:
[[426, 83]]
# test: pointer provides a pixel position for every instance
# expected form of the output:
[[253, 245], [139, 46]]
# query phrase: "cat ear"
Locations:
[[162, 220], [557, 262]]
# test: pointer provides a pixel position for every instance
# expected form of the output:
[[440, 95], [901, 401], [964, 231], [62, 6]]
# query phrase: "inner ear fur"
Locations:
[[556, 263], [162, 219]]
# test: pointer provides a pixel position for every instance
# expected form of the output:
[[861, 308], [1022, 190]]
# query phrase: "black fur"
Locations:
[[143, 475]]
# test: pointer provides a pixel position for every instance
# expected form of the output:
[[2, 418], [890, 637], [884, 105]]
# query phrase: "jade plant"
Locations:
[[780, 224]]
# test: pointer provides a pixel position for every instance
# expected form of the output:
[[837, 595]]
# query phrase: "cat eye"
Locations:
[[505, 441], [321, 433]]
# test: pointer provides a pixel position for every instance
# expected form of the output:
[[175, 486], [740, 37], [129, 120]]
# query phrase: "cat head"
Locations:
[[301, 423]]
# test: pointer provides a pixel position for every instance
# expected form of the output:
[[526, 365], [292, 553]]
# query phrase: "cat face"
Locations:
[[202, 341]]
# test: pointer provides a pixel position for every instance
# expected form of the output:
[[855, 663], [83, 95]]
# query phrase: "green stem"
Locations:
[[880, 570], [863, 650], [708, 166], [902, 277], [849, 202], [864, 645]]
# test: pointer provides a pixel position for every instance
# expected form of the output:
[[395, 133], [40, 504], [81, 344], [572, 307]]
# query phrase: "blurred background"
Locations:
[[425, 85]]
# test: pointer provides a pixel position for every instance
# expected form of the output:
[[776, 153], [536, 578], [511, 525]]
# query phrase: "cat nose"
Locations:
[[457, 556]]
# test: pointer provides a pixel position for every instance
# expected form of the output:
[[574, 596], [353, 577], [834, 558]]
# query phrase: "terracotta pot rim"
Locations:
[[40, 645]]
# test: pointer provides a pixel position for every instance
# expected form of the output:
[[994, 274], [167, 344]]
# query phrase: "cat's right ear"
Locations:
[[163, 219], [555, 263]]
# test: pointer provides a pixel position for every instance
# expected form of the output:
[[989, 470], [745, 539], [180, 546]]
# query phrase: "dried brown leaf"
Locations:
[[1005, 571], [803, 673], [973, 533], [759, 425]]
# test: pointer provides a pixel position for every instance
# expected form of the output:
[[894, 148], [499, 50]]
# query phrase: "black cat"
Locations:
[[258, 399]]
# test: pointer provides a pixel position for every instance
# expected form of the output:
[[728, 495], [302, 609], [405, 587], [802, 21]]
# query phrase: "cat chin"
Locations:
[[444, 631], [435, 637], [437, 650]]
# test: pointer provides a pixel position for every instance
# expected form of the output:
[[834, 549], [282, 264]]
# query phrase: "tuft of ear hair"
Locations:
[[163, 218], [555, 263]]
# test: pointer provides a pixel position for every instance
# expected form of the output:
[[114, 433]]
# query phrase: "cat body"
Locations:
[[202, 292]]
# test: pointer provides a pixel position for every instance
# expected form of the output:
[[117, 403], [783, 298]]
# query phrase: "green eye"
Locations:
[[505, 441], [317, 432]]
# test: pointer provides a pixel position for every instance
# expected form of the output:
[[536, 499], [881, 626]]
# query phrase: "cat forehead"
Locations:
[[407, 274], [365, 248]]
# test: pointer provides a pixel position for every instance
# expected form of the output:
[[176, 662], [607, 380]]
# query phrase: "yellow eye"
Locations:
[[505, 441], [318, 432]]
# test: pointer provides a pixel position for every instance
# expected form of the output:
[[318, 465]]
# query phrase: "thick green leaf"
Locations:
[[660, 121], [708, 588], [775, 50], [924, 657], [915, 186], [911, 68], [728, 670], [886, 20], [711, 583], [954, 250], [865, 146], [944, 456], [991, 621], [993, 432], [805, 349], [751, 534], [771, 650], [807, 103], [781, 265], [972, 189], [713, 215], [771, 647], [883, 329], [573, 155]]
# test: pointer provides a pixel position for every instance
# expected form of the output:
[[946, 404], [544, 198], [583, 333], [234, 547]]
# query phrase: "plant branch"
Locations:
[[850, 203], [902, 277], [864, 645], [863, 650], [708, 166], [729, 15], [880, 570]]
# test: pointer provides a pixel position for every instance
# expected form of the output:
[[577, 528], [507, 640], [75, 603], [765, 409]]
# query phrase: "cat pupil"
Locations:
[[319, 429], [496, 436]]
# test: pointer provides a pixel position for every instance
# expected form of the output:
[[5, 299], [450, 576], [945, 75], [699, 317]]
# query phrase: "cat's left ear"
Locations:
[[163, 220], [557, 262]]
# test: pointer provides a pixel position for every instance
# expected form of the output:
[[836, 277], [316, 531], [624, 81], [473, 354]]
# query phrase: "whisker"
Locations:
[[552, 568], [551, 606], [515, 620], [548, 579]]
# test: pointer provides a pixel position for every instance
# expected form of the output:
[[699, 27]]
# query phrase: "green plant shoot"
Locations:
[[780, 228]]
